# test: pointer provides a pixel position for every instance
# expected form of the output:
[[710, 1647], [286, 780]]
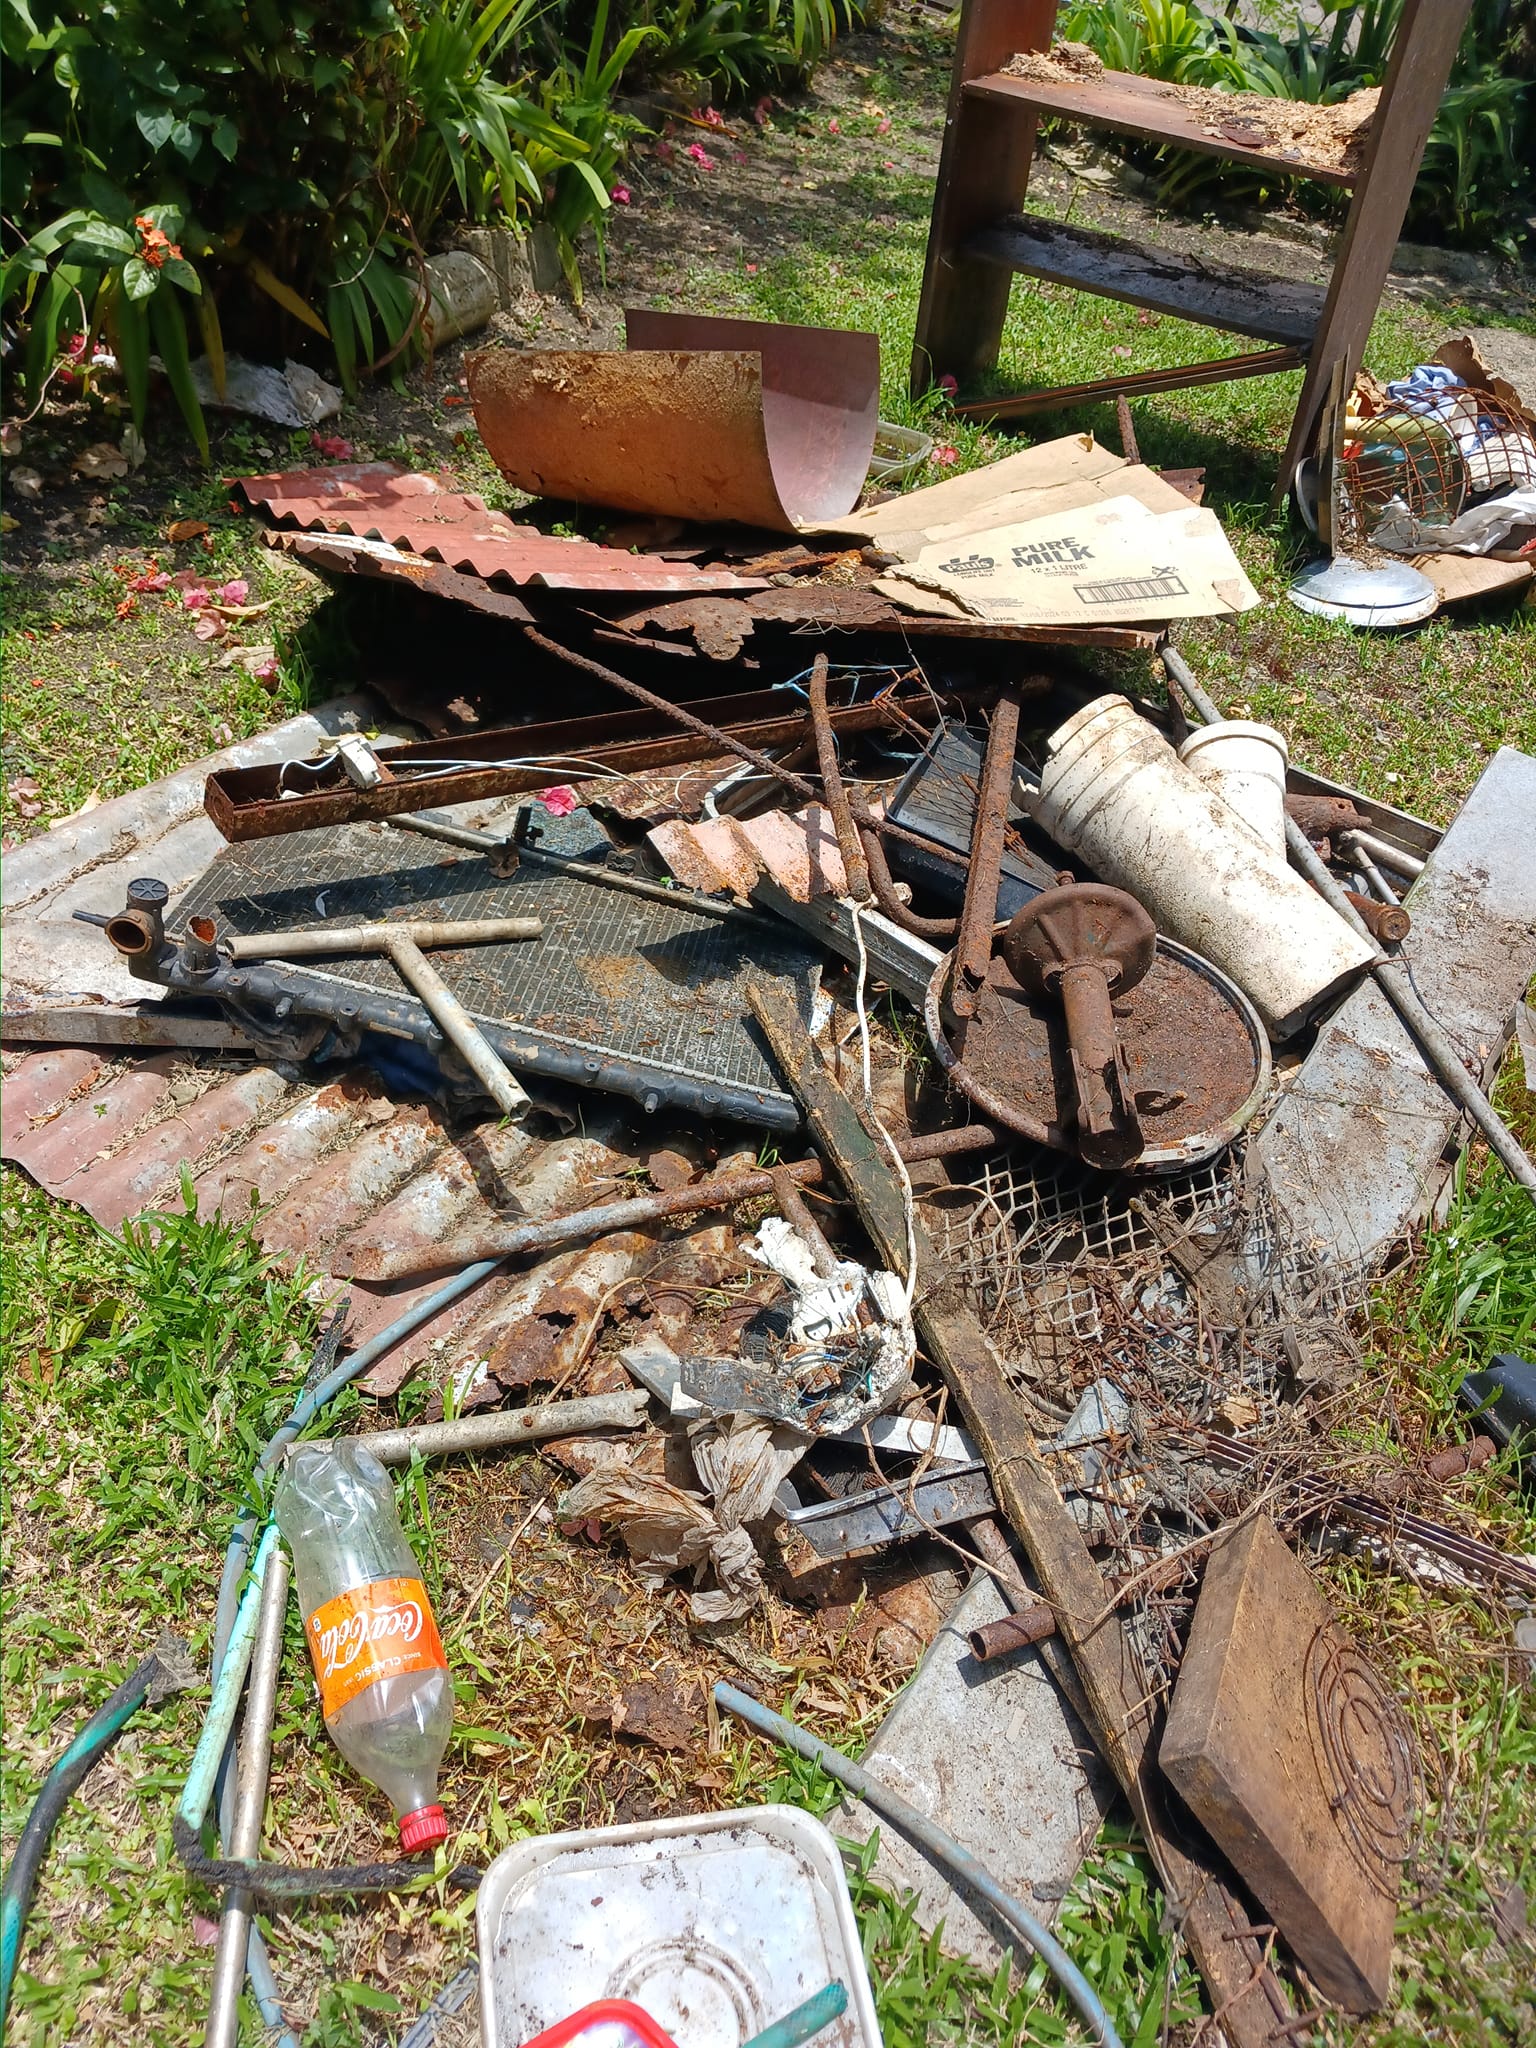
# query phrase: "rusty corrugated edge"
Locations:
[[420, 514], [323, 1160]]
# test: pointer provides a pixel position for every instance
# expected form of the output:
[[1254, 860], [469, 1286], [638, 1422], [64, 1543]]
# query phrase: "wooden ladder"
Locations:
[[979, 238]]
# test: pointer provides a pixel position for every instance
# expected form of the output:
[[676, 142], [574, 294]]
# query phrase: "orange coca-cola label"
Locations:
[[375, 1631]]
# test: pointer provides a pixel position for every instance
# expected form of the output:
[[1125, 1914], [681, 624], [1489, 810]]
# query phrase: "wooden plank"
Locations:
[[983, 172], [1114, 1690], [1130, 105], [1277, 1723], [1222, 295], [1422, 53]]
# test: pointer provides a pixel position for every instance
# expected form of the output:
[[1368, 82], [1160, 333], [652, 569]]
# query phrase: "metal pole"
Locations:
[[624, 1410], [1391, 977], [223, 2027], [456, 1024]]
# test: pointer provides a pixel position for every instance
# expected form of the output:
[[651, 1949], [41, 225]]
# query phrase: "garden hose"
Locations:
[[68, 1774], [965, 1871]]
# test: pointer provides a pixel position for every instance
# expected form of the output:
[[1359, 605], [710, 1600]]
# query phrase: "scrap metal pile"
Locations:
[[936, 1097]]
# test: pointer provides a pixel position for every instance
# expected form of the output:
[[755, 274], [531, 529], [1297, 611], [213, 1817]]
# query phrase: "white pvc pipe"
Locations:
[[1245, 764], [1114, 791]]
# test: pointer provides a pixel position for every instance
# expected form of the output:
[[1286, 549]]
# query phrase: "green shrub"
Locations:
[[1478, 176]]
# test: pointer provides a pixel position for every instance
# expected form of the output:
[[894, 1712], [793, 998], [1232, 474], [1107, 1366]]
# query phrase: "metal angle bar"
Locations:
[[891, 1514], [1267, 362]]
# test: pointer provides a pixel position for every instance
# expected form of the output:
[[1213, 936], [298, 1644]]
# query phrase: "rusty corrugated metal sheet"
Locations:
[[329, 1165], [409, 510]]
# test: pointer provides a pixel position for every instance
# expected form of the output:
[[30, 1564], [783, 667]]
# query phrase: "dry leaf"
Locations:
[[99, 460], [26, 483], [181, 530]]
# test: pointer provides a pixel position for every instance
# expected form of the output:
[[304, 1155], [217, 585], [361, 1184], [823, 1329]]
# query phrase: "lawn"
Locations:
[[143, 1375]]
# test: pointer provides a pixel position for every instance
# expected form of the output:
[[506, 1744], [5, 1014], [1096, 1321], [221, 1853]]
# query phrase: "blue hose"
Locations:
[[939, 1847]]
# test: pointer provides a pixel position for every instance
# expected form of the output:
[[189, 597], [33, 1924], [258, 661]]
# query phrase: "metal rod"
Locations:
[[794, 1211], [989, 828], [1391, 976], [1013, 1632], [1390, 856], [1267, 362], [402, 944], [384, 1261], [589, 871], [625, 1410], [378, 938], [1376, 881], [855, 866], [456, 1024], [223, 2027], [1387, 923]]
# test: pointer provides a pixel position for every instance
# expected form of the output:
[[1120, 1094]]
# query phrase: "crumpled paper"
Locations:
[[667, 1529]]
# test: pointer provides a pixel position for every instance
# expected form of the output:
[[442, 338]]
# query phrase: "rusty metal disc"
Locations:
[[1199, 1057]]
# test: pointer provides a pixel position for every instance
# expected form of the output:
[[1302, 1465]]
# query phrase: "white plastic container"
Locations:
[[1245, 764], [717, 1924], [1115, 792]]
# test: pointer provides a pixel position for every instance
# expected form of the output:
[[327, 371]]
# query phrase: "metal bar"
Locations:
[[456, 1024], [495, 1432], [378, 938], [1267, 362], [1391, 976], [855, 865], [369, 1261], [223, 2026], [792, 1208], [1376, 881], [1013, 1632], [1389, 855], [989, 830], [894, 1513], [1387, 923]]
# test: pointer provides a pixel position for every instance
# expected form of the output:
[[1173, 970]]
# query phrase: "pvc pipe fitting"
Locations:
[[1245, 764], [1114, 791]]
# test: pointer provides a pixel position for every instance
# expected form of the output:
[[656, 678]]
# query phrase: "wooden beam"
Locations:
[[1248, 1995]]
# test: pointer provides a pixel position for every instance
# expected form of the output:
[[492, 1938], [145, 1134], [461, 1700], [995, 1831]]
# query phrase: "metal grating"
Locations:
[[614, 978]]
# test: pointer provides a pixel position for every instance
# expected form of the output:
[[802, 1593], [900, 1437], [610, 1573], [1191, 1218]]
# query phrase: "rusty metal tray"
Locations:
[[622, 993]]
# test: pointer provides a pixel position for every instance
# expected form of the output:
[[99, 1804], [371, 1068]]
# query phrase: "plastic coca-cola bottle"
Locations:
[[384, 1686]]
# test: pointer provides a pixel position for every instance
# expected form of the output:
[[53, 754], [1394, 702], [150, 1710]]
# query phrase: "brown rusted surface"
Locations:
[[1013, 1632], [343, 555], [1324, 817], [245, 803], [973, 941], [797, 850], [757, 424], [679, 793], [1386, 922], [1457, 1459], [855, 865], [423, 515], [1196, 1060], [717, 625]]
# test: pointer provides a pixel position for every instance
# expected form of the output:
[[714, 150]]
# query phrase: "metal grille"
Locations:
[[614, 976]]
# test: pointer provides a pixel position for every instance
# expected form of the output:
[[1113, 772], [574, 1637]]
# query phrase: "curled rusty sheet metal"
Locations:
[[331, 1165], [796, 850], [387, 506], [740, 420]]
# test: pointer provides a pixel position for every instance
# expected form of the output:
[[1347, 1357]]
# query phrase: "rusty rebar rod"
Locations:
[[364, 1260], [855, 866], [989, 828]]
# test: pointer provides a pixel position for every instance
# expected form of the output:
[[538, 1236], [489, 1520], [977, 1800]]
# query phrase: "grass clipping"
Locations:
[[1330, 138]]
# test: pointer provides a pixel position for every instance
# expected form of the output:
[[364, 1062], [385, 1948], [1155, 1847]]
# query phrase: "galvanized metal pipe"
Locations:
[[719, 1191], [1390, 856], [1376, 881], [402, 943], [223, 2027], [624, 1410], [1391, 976]]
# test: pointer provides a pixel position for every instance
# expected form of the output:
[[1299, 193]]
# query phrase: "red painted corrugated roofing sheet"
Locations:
[[114, 1135], [425, 516]]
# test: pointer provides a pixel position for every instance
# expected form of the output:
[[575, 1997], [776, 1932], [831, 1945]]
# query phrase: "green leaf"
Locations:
[[180, 271], [213, 340], [599, 189], [285, 295], [170, 332], [155, 127], [100, 242], [128, 327], [139, 281], [225, 137]]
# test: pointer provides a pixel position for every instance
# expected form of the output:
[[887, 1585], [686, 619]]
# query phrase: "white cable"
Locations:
[[908, 1201]]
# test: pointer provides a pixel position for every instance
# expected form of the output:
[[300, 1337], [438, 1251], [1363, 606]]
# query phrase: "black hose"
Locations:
[[294, 1881]]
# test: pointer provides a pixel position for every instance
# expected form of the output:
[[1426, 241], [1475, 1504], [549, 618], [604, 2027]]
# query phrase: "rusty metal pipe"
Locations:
[[1014, 1632], [367, 1261], [623, 1410], [855, 866], [884, 885], [793, 1209], [1387, 923], [973, 946]]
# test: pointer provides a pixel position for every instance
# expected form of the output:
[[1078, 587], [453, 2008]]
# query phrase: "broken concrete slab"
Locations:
[[62, 982], [994, 1754], [1364, 1139]]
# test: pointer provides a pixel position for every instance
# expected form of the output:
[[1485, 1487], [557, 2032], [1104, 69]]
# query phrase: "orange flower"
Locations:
[[155, 245]]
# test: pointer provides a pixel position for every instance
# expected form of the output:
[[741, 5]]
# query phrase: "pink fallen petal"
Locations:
[[236, 591], [159, 581], [884, 127], [195, 596], [701, 156], [332, 447], [949, 386], [559, 801], [208, 626], [834, 127], [264, 671], [621, 195], [946, 457]]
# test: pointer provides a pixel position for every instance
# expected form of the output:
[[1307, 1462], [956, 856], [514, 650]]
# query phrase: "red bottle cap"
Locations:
[[423, 1829]]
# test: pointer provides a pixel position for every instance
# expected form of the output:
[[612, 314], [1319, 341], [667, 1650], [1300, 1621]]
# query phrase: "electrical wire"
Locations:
[[908, 1200], [966, 1871]]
